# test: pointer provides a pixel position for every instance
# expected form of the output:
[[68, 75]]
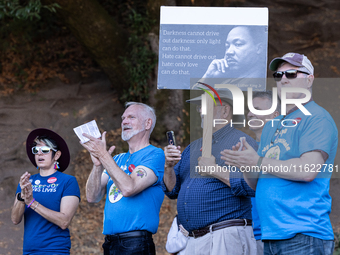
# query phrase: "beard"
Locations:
[[127, 136]]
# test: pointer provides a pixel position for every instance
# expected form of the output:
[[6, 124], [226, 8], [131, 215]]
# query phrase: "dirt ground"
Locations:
[[62, 107]]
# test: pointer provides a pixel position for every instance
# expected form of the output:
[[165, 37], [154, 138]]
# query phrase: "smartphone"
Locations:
[[170, 135]]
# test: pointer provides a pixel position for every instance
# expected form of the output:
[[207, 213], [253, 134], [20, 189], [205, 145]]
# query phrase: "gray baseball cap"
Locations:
[[295, 59]]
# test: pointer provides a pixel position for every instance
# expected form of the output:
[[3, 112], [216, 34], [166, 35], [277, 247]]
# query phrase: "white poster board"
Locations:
[[197, 41]]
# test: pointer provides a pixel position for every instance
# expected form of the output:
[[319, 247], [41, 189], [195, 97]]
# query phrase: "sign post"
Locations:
[[207, 126]]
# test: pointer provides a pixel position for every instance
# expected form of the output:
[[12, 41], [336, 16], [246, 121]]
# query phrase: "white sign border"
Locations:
[[214, 15]]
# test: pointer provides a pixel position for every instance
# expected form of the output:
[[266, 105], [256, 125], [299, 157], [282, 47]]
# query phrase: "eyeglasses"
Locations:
[[44, 149], [290, 74]]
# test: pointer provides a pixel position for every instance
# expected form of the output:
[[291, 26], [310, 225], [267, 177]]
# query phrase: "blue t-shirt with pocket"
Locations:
[[290, 207]]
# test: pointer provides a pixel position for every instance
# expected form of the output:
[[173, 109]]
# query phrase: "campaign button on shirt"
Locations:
[[297, 120], [52, 180], [131, 168]]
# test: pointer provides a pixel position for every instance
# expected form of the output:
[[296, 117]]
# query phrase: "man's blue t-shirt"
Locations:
[[141, 211], [291, 207], [42, 236]]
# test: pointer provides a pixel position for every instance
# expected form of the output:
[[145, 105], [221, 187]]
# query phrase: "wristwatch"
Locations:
[[19, 197]]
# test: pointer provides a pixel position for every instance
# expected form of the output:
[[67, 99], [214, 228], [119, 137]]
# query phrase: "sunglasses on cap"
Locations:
[[290, 74], [44, 149]]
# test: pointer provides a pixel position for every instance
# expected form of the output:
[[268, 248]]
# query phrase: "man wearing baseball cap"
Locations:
[[296, 156], [215, 211]]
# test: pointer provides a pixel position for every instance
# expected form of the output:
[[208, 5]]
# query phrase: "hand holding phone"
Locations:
[[171, 138], [172, 155]]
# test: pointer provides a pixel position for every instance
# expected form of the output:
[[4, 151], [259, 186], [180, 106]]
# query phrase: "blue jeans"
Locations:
[[141, 245], [299, 245]]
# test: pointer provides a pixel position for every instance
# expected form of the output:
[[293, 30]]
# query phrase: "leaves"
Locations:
[[141, 61], [33, 52], [13, 9]]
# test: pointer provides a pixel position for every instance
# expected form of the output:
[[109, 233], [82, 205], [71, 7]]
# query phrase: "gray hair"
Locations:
[[149, 112], [269, 95]]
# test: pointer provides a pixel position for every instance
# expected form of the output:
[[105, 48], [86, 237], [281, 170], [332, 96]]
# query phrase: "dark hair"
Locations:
[[257, 33], [269, 95], [48, 141]]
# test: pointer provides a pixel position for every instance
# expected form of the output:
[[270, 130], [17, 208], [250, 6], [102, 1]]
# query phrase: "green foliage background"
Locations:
[[30, 32]]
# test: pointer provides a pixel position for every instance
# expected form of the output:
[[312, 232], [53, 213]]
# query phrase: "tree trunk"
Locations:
[[169, 103], [98, 32], [106, 41]]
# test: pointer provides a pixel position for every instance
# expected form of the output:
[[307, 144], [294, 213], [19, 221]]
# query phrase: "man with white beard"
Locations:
[[132, 183]]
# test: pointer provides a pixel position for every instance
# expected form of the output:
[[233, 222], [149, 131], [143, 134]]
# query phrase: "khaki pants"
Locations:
[[259, 246], [238, 240]]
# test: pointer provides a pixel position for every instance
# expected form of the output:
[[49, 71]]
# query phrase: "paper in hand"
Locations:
[[90, 128], [242, 143]]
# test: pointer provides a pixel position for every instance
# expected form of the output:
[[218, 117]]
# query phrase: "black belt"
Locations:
[[137, 233], [220, 225]]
